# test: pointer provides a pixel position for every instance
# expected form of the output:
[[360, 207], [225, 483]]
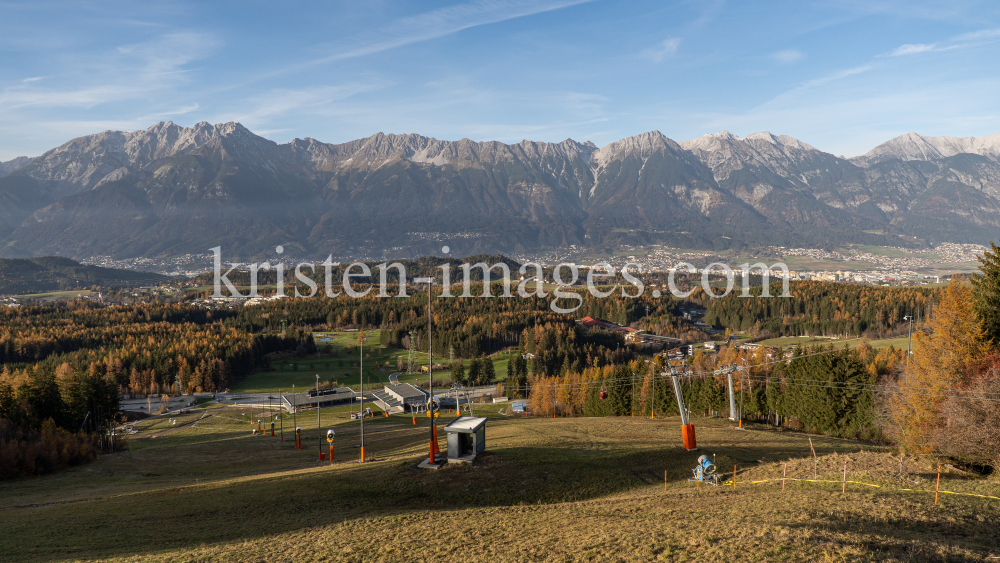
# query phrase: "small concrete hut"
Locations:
[[466, 438]]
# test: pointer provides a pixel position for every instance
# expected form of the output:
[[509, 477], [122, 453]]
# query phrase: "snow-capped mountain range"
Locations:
[[171, 189]]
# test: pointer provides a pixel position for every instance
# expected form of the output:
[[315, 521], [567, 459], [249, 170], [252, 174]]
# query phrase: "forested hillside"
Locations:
[[51, 273], [61, 361], [463, 327], [822, 308]]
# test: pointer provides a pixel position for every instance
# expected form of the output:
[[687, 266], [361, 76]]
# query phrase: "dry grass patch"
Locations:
[[547, 490]]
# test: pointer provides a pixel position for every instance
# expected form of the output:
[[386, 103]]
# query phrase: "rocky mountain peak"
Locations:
[[641, 145], [14, 164], [529, 193], [719, 141], [913, 146]]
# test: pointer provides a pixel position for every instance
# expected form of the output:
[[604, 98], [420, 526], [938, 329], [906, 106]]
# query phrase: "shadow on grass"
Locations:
[[186, 517], [918, 537]]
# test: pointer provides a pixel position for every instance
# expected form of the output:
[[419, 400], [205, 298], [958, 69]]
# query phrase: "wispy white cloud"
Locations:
[[961, 41], [442, 22], [279, 102], [33, 79], [978, 35], [912, 49], [128, 72], [667, 48], [835, 76], [423, 27], [788, 56]]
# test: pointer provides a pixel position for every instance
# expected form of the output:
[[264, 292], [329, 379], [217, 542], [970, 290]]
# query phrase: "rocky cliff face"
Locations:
[[170, 189]]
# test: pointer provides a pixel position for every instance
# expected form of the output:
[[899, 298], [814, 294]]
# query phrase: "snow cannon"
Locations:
[[706, 472]]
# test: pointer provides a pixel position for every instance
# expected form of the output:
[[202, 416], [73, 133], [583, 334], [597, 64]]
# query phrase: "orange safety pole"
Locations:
[[331, 452], [844, 488], [784, 473], [652, 414], [938, 486], [414, 420], [362, 454]]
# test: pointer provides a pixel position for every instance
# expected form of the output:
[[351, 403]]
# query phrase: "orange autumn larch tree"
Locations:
[[941, 360]]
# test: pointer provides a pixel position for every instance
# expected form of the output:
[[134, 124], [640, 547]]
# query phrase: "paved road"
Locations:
[[394, 377]]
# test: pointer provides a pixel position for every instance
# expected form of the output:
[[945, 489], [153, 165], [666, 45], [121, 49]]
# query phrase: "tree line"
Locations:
[[822, 308], [70, 363]]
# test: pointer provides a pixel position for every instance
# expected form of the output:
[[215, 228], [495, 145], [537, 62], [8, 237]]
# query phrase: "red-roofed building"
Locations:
[[591, 322]]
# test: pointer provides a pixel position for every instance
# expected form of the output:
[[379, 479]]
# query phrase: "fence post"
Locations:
[[938, 486], [784, 473], [844, 488], [734, 476]]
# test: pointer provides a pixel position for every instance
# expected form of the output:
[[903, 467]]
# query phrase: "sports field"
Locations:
[[583, 489], [788, 342], [346, 368]]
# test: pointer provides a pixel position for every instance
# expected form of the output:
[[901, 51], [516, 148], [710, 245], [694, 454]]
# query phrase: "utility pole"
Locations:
[[410, 353], [430, 372], [652, 395], [319, 422], [732, 395], [361, 383], [909, 336], [743, 375]]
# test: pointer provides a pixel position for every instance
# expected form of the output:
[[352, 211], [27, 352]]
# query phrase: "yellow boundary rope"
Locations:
[[729, 482]]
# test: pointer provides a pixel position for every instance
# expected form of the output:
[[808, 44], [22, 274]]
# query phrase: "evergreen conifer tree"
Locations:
[[475, 371], [458, 372], [620, 391], [489, 373], [987, 293]]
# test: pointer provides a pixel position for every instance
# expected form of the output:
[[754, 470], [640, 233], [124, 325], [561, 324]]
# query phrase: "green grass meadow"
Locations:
[[345, 369], [837, 343]]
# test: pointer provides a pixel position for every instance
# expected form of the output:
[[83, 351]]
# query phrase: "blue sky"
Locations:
[[842, 76]]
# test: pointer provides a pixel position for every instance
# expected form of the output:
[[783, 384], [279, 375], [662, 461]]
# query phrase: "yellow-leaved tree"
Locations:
[[941, 360]]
